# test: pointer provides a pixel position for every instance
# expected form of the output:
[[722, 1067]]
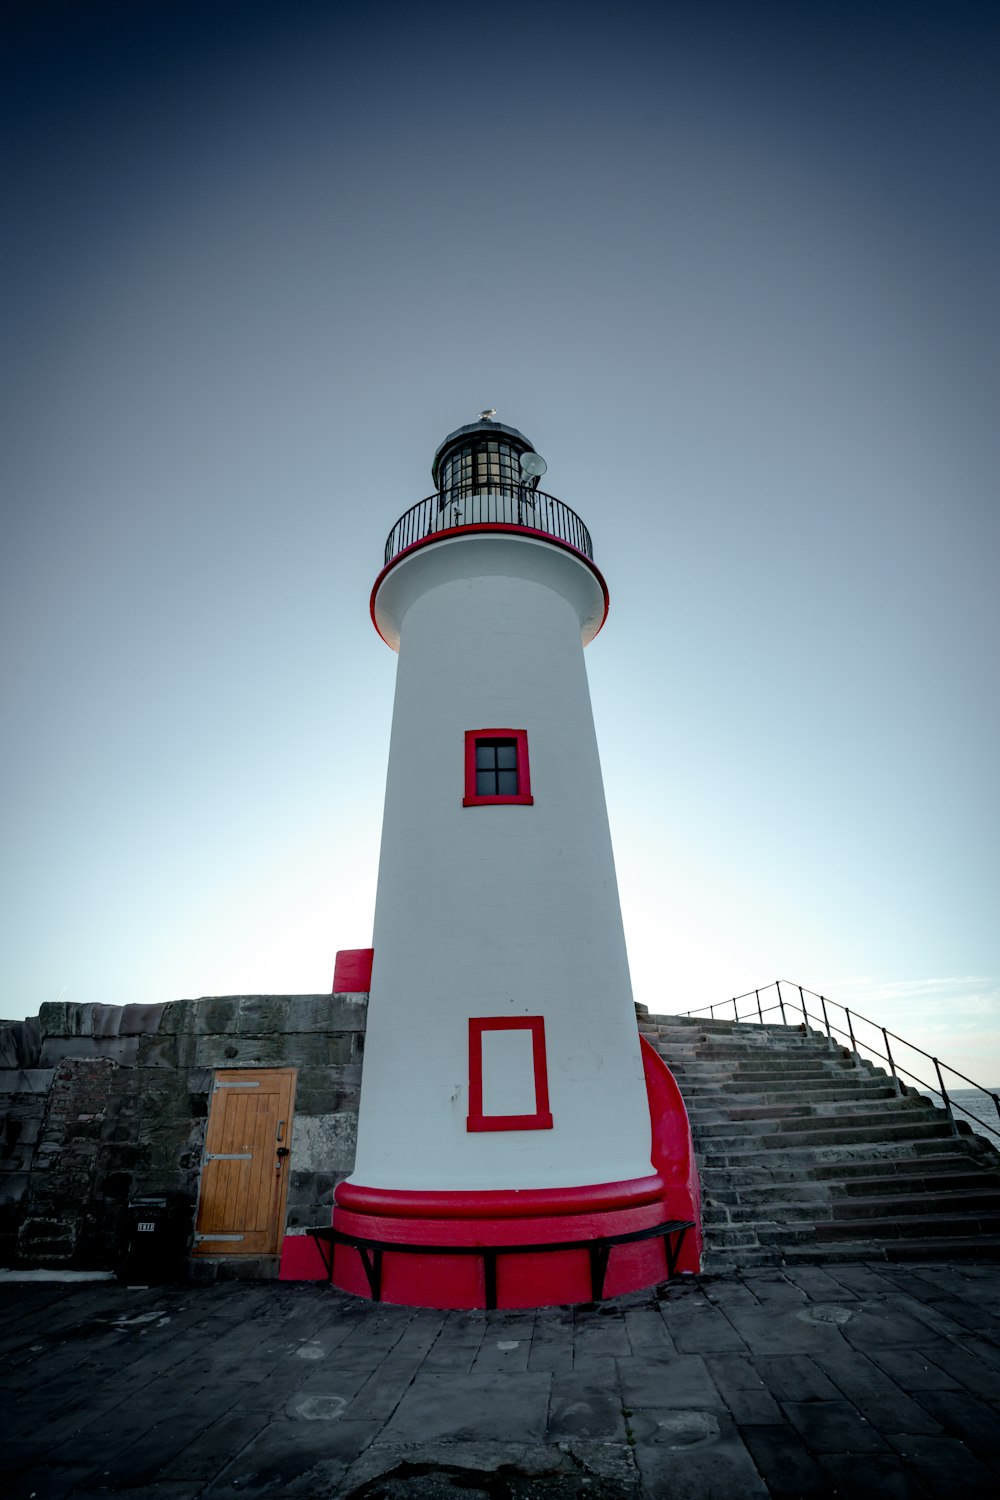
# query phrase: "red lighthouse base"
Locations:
[[491, 1248]]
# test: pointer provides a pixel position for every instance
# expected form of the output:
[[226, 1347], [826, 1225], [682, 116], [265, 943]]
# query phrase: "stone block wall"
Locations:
[[100, 1103]]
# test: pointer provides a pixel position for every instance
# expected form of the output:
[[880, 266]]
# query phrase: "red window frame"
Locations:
[[542, 1117], [520, 737]]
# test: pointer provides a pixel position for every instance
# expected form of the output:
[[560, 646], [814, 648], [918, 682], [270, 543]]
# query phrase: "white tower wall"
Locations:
[[496, 910]]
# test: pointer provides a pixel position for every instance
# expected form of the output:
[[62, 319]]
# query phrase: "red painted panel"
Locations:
[[500, 1203], [352, 971], [301, 1259], [529, 1229], [433, 1281], [673, 1152], [542, 1118]]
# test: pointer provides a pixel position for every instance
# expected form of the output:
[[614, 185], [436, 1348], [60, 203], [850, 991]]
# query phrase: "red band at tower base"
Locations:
[[537, 1278]]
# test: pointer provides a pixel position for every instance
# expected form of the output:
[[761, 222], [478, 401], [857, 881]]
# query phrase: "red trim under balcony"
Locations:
[[494, 526]]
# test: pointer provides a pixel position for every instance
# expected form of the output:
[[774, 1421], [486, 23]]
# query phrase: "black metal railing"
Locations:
[[371, 1251], [495, 504], [853, 1035]]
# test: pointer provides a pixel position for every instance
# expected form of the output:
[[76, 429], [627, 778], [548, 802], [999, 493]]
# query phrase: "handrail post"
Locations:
[[826, 1021], [996, 1101], [944, 1096], [760, 1017], [781, 1001], [712, 1010], [805, 1013], [888, 1053], [854, 1045], [736, 1010]]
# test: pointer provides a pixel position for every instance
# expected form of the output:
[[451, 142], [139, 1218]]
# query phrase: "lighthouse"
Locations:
[[515, 1145]]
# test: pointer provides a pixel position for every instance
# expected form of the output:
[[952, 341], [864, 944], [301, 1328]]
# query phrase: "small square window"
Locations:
[[496, 767]]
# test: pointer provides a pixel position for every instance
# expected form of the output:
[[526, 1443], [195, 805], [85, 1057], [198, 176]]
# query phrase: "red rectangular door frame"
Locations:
[[542, 1117]]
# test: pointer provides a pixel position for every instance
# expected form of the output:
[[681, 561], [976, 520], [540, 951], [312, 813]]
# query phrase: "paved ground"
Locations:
[[861, 1381]]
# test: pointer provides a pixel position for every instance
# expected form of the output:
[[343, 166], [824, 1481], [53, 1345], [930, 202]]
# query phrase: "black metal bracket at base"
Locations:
[[371, 1251]]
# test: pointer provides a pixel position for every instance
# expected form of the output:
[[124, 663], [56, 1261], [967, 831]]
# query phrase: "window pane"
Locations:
[[507, 783], [507, 756], [485, 757], [486, 784]]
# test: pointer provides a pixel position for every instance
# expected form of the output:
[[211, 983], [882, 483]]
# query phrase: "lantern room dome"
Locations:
[[491, 446]]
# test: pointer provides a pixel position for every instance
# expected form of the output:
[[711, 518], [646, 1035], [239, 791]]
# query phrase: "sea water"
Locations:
[[976, 1107]]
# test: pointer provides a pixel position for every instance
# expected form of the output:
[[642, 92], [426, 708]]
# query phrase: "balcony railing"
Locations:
[[516, 505]]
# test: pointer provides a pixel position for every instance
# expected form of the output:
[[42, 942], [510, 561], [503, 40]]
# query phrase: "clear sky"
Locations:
[[733, 269]]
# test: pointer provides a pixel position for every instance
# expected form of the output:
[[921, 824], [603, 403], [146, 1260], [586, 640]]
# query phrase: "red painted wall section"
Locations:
[[301, 1259], [673, 1152], [352, 971]]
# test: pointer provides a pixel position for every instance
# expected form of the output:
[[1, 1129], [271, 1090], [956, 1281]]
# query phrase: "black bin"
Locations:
[[157, 1231]]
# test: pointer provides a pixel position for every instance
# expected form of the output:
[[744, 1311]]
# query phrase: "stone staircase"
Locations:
[[807, 1154]]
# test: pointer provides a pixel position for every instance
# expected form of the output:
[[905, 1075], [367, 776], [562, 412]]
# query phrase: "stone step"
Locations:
[[720, 1027], [941, 1227], [719, 1262], [974, 1247], [739, 1093], [819, 1164], [933, 1225], [896, 1205], [932, 1159], [761, 1057], [789, 1116], [979, 1247], [735, 1237], [737, 1069], [779, 1091], [757, 1197], [733, 1147], [710, 1046], [859, 1115], [853, 1189], [793, 1166], [932, 1209], [704, 1132], [792, 1070], [904, 1182], [783, 1212], [745, 1036]]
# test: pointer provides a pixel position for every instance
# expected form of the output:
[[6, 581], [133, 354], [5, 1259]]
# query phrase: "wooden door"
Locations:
[[244, 1180]]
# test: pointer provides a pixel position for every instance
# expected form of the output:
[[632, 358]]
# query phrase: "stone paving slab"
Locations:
[[847, 1380]]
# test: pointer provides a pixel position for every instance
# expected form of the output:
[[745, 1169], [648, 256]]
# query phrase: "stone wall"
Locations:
[[100, 1103]]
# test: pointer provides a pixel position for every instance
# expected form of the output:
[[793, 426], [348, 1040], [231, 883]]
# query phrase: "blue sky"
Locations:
[[731, 267]]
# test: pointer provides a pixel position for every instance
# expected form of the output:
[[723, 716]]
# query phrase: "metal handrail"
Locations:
[[823, 1020], [496, 503]]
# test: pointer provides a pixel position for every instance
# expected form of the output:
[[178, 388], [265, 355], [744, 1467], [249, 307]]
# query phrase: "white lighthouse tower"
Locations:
[[505, 1107]]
